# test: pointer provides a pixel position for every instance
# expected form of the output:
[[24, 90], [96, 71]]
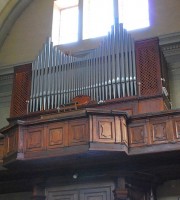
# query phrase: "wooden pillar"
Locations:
[[120, 192], [38, 192]]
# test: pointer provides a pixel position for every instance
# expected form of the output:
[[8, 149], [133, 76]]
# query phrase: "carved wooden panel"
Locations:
[[79, 192], [57, 135], [159, 132], [34, 139], [95, 194], [63, 195], [137, 135], [11, 142], [21, 90], [78, 132], [148, 67], [103, 129]]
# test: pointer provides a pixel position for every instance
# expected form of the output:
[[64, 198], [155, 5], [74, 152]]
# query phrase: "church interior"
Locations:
[[86, 116]]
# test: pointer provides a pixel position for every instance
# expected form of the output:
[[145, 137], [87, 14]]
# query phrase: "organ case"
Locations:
[[118, 70]]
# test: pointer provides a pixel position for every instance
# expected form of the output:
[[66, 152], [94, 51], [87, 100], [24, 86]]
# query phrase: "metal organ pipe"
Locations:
[[106, 73]]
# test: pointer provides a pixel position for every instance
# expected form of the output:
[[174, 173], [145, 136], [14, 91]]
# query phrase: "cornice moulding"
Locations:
[[169, 38], [9, 69]]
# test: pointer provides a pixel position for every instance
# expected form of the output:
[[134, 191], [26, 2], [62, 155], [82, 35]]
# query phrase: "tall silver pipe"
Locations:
[[107, 72]]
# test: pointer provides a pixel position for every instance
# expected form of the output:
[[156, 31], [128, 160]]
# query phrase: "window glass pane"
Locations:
[[134, 13], [65, 21], [66, 3], [97, 17], [69, 25], [56, 25]]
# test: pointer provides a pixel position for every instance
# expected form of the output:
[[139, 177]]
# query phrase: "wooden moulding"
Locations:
[[67, 134], [92, 130], [154, 133], [108, 133]]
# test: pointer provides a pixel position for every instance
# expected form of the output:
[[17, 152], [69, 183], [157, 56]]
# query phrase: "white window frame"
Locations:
[[116, 20]]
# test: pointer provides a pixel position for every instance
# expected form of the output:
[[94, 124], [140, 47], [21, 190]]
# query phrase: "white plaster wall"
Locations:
[[28, 33], [6, 82], [34, 25]]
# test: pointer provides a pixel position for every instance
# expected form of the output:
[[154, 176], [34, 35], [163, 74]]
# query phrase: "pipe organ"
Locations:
[[107, 72], [119, 74]]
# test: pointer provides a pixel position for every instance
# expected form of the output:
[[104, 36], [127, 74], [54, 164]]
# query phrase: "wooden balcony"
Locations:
[[87, 131], [129, 124]]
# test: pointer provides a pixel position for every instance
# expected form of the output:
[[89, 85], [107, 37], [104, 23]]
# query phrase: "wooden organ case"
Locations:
[[120, 74], [64, 105]]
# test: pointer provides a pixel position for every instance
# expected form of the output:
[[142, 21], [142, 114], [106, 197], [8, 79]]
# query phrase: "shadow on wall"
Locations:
[[170, 190]]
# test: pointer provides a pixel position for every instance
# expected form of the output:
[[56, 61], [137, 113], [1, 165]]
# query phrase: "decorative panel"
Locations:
[[11, 142], [148, 67], [159, 132], [78, 132], [103, 129], [57, 135], [137, 135], [96, 194], [34, 139], [21, 90], [63, 195], [81, 192]]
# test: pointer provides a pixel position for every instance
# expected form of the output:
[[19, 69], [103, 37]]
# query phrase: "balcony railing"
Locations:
[[90, 130]]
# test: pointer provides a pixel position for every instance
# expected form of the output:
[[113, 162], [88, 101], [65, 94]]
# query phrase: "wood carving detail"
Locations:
[[96, 193], [105, 130], [137, 135], [77, 133], [159, 132], [56, 136], [34, 140]]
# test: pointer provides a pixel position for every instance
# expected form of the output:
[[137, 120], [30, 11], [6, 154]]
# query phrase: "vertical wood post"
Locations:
[[120, 192], [38, 192]]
